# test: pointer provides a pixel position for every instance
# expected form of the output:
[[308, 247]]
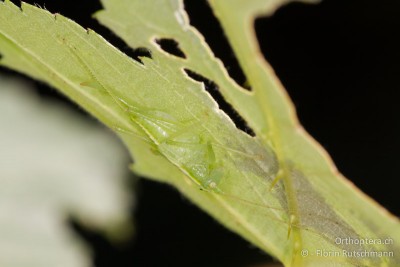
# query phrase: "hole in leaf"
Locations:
[[212, 88], [203, 19], [171, 47], [143, 52], [140, 52]]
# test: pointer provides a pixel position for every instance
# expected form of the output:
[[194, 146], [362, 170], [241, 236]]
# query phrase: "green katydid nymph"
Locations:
[[208, 161]]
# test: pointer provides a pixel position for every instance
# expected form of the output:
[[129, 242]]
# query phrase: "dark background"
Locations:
[[340, 62]]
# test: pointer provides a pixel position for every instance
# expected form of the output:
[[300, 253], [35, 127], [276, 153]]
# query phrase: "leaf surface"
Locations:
[[177, 133]]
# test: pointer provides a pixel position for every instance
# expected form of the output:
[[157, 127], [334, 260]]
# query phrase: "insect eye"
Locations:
[[200, 170], [212, 184]]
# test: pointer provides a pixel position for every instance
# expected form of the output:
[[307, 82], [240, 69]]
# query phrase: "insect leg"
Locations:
[[137, 135]]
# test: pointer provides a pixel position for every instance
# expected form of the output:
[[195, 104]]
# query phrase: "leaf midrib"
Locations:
[[111, 112]]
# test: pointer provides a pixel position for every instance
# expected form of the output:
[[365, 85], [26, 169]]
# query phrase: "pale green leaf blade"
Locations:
[[301, 154], [158, 94], [312, 183], [219, 159], [54, 164]]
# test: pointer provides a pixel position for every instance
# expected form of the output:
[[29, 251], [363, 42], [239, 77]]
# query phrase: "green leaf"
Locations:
[[53, 165], [279, 189]]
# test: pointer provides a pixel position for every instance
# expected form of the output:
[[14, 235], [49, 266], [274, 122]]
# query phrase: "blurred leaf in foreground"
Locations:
[[54, 164]]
